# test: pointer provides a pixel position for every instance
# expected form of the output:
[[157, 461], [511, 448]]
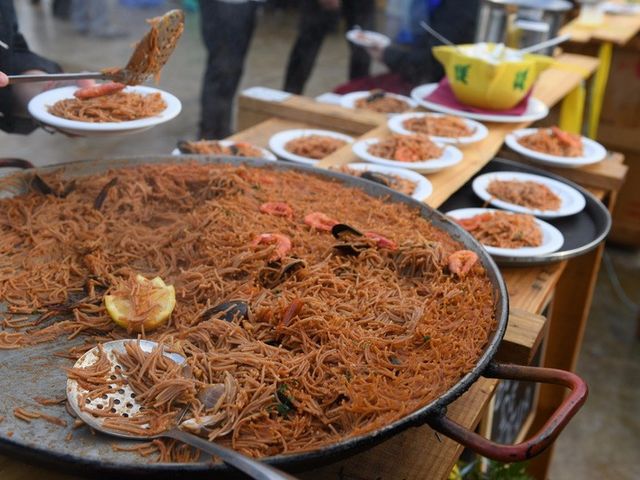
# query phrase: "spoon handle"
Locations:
[[47, 77], [253, 468]]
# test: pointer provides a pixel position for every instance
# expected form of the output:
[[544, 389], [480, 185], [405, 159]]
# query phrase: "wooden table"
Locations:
[[418, 453], [614, 30]]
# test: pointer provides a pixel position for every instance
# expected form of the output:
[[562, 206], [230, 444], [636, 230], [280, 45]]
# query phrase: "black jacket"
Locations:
[[17, 59], [455, 20]]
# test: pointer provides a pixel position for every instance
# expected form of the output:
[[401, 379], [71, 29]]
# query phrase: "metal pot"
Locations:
[[21, 379], [520, 23]]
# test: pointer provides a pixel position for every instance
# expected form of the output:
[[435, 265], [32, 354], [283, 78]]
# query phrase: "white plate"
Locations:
[[38, 108], [571, 200], [450, 156], [423, 186], [535, 108], [368, 38], [265, 154], [592, 151], [479, 130], [279, 140], [552, 239], [614, 8], [349, 100]]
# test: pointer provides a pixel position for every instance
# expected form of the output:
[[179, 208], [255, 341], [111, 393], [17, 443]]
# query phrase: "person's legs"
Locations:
[[226, 31], [315, 22], [361, 13]]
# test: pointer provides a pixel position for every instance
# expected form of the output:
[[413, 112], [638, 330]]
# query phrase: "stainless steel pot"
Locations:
[[520, 23]]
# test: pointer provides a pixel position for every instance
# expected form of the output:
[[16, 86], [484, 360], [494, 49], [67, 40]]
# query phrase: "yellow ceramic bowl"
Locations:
[[496, 85]]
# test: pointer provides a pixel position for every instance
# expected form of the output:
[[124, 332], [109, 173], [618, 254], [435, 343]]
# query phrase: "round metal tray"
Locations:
[[582, 232]]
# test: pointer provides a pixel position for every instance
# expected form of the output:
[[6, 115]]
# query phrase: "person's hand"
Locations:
[[4, 81], [376, 53], [329, 4]]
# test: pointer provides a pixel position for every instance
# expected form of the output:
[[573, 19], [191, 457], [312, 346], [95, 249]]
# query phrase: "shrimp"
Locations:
[[281, 242], [98, 90], [320, 221], [278, 209], [461, 262], [381, 240], [567, 138]]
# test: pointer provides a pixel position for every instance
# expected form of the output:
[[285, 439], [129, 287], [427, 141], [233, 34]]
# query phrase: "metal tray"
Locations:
[[582, 232]]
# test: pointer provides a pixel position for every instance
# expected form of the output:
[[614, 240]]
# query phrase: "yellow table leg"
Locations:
[[599, 86], [572, 110]]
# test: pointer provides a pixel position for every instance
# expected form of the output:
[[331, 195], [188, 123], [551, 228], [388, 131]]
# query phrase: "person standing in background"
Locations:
[[227, 28], [93, 17], [317, 18]]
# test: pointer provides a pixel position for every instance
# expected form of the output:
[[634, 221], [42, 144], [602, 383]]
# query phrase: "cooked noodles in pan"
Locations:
[[294, 338]]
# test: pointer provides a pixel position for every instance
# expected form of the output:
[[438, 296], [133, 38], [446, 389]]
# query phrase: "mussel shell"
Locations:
[[233, 148], [377, 177], [342, 229], [351, 248], [275, 273], [232, 309], [375, 95], [184, 146]]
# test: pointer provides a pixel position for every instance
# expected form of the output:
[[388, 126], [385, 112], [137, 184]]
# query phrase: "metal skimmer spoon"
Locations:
[[147, 59], [128, 408]]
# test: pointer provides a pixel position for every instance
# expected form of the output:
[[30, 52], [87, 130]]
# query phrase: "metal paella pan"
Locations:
[[36, 372]]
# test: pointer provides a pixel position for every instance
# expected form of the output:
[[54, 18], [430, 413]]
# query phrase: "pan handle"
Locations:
[[15, 163], [543, 438]]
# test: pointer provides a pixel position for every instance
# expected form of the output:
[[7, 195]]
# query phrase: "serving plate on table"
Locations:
[[367, 38], [535, 110], [265, 154], [348, 100], [571, 200], [38, 108], [36, 371], [396, 122], [278, 142], [423, 187], [552, 239], [593, 152], [450, 156], [582, 232]]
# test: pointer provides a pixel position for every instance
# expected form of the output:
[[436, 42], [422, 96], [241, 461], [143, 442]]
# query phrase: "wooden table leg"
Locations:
[[599, 86], [567, 322]]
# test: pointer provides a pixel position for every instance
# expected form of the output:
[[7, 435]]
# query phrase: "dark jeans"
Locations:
[[315, 23], [227, 29]]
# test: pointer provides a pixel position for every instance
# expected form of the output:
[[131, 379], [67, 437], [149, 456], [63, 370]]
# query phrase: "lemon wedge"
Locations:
[[144, 303]]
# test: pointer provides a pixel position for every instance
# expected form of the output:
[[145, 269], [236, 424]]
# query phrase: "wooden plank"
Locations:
[[522, 338], [531, 288], [304, 109], [609, 174], [422, 454], [618, 29]]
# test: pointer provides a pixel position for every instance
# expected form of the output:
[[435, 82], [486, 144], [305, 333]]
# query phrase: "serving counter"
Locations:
[[549, 304]]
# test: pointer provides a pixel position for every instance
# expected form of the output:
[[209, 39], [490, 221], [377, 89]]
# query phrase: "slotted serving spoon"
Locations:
[[128, 407], [148, 58]]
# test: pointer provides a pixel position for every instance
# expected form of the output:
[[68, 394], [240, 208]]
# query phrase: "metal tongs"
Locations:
[[148, 58]]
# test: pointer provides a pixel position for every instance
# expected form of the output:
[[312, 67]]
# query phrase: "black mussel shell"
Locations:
[[232, 310], [351, 248], [184, 146], [233, 149], [377, 177], [375, 95], [342, 229], [275, 273]]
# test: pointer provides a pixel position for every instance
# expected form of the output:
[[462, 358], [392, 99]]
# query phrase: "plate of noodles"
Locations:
[[400, 179], [529, 193], [439, 127], [414, 152], [378, 101], [535, 109], [509, 234], [555, 147], [368, 38], [229, 148], [307, 146], [131, 110]]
